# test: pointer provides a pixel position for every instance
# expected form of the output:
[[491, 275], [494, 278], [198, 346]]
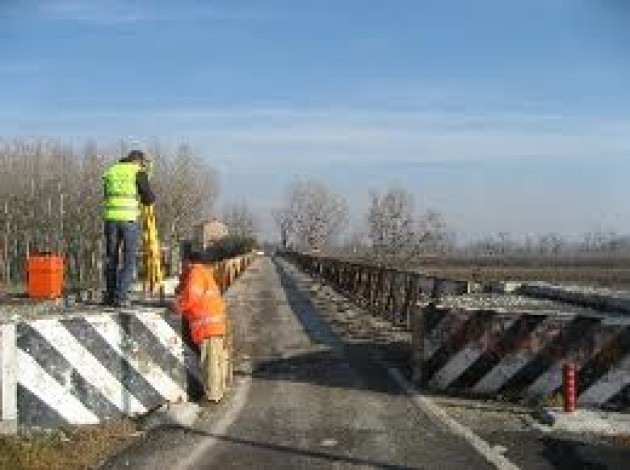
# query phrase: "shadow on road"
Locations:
[[327, 369], [325, 363], [567, 454], [295, 451]]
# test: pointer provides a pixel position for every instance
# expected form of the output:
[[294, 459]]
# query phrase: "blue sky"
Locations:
[[506, 116]]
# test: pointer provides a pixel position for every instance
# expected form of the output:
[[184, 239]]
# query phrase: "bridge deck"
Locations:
[[310, 396], [303, 399]]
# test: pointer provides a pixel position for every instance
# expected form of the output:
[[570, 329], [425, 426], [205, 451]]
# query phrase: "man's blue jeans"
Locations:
[[118, 281]]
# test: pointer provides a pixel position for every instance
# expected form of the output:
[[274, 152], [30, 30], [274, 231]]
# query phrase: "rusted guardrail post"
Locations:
[[416, 323], [410, 298]]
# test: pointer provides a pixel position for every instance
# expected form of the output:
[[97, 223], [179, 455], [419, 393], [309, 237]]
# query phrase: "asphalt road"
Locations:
[[303, 399]]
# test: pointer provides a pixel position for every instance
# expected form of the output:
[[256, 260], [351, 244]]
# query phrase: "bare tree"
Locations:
[[312, 216], [433, 234], [395, 231], [551, 244], [284, 223], [186, 187], [391, 221], [240, 220], [356, 244]]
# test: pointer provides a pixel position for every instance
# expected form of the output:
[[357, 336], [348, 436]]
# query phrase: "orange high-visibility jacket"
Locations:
[[200, 302]]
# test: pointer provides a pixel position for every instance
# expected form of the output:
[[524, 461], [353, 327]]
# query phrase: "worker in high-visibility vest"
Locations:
[[199, 301], [126, 186]]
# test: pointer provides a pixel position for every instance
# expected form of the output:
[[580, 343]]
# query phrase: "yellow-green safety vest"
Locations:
[[121, 192]]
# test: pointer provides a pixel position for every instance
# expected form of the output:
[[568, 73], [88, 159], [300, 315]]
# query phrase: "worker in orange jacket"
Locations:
[[199, 301]]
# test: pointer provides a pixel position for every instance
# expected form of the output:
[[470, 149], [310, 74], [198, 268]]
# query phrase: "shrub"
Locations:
[[230, 247]]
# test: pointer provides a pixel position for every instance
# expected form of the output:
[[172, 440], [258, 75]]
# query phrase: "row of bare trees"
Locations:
[[241, 221], [51, 200], [548, 244], [394, 231], [313, 217]]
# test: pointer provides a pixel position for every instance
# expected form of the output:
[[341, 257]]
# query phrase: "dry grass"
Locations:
[[71, 448]]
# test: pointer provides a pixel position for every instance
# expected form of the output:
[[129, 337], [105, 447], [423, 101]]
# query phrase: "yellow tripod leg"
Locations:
[[151, 250]]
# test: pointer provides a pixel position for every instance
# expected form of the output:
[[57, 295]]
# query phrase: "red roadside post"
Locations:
[[569, 387]]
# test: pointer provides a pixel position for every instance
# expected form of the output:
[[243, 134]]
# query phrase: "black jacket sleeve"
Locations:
[[144, 188]]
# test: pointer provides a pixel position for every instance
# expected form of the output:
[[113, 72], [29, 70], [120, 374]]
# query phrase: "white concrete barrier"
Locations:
[[89, 367]]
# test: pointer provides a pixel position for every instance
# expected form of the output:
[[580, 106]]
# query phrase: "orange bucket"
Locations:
[[45, 276]]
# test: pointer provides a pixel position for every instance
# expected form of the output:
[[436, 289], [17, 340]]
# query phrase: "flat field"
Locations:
[[601, 271]]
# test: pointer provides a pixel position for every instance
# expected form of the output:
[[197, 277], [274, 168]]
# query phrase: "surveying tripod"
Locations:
[[151, 254]]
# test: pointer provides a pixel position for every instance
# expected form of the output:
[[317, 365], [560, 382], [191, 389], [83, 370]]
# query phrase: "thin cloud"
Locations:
[[99, 12], [416, 136], [114, 12], [20, 68], [248, 135]]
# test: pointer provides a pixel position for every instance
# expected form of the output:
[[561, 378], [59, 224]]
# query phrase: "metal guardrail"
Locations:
[[227, 271], [390, 293]]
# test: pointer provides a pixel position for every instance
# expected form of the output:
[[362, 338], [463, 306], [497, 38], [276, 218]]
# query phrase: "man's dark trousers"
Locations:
[[118, 282]]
